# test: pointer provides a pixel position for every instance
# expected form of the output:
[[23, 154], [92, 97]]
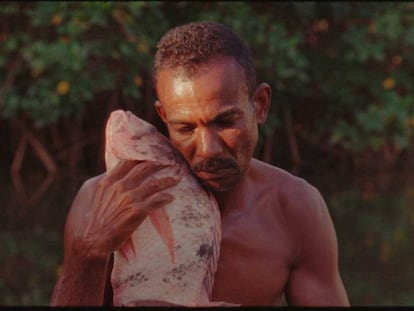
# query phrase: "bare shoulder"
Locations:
[[81, 204], [90, 184], [303, 210], [286, 185], [296, 196]]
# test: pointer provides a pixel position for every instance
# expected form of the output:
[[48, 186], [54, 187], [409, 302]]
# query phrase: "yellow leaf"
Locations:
[[56, 20], [118, 15], [138, 81], [62, 87], [388, 83], [323, 25], [372, 28], [142, 47]]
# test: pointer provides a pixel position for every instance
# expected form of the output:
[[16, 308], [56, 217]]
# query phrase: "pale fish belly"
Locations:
[[172, 256]]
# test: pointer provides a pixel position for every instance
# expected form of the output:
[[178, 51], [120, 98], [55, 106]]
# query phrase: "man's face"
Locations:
[[210, 120]]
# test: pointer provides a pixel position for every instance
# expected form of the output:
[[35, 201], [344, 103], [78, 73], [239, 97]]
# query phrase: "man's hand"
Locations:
[[104, 214], [122, 200]]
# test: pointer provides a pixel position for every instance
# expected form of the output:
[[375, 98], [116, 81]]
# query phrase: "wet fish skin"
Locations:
[[172, 256]]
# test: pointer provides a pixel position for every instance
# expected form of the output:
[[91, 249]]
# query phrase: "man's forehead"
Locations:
[[192, 70], [189, 117], [223, 76]]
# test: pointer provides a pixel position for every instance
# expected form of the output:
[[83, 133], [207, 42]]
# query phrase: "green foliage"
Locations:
[[72, 51], [349, 62], [361, 69], [375, 254], [29, 265], [343, 69]]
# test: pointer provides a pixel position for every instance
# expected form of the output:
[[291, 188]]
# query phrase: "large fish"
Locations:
[[172, 256]]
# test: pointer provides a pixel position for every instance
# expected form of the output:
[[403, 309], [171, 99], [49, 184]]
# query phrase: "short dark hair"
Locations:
[[194, 44]]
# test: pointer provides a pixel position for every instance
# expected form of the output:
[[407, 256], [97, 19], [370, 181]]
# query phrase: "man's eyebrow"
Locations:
[[178, 122], [228, 113], [225, 114]]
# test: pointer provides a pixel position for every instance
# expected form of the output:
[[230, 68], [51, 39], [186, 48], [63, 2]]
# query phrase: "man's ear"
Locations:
[[160, 111], [261, 98]]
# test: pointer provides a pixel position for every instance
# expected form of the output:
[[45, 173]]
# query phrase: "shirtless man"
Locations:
[[278, 238]]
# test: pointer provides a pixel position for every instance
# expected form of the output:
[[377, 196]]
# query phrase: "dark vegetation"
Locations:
[[343, 105]]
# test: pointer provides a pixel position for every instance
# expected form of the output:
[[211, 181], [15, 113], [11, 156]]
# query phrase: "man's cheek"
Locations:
[[233, 137]]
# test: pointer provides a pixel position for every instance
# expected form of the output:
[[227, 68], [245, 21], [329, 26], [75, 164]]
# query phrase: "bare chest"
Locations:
[[254, 261]]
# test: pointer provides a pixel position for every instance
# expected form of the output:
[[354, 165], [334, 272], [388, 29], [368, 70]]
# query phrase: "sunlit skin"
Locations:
[[214, 122], [277, 236]]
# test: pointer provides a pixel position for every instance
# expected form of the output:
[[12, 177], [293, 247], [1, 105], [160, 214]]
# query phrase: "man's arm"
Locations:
[[82, 283], [104, 213], [315, 280], [82, 280]]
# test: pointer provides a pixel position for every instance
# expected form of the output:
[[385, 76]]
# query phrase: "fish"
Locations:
[[171, 258]]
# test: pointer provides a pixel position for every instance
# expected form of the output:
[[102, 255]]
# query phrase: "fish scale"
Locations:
[[172, 255]]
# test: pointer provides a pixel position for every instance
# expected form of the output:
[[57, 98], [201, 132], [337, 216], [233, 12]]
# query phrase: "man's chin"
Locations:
[[218, 187]]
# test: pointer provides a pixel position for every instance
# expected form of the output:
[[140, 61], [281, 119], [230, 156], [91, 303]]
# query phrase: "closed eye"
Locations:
[[228, 118], [225, 122], [185, 129]]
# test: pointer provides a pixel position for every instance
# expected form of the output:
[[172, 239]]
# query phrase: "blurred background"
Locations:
[[342, 117]]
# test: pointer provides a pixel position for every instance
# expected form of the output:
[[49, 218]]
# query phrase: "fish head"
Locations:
[[131, 138]]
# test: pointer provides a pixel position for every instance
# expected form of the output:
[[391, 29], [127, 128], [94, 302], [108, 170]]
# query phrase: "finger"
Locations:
[[152, 186], [139, 173], [157, 200], [133, 177], [122, 211], [121, 169], [129, 209], [120, 200], [134, 214], [131, 216]]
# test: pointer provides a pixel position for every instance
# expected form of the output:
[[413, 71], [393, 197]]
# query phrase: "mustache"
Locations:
[[212, 165]]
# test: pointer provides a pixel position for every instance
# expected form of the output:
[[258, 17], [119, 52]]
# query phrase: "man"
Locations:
[[277, 236]]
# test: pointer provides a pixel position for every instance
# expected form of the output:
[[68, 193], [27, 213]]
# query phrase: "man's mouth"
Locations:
[[216, 175], [215, 166]]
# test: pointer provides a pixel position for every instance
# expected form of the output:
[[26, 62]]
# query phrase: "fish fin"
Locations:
[[162, 224], [127, 249]]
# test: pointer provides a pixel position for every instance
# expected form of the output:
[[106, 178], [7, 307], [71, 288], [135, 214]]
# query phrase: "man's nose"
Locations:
[[209, 144]]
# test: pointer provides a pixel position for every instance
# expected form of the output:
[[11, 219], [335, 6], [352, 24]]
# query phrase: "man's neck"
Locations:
[[227, 200]]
